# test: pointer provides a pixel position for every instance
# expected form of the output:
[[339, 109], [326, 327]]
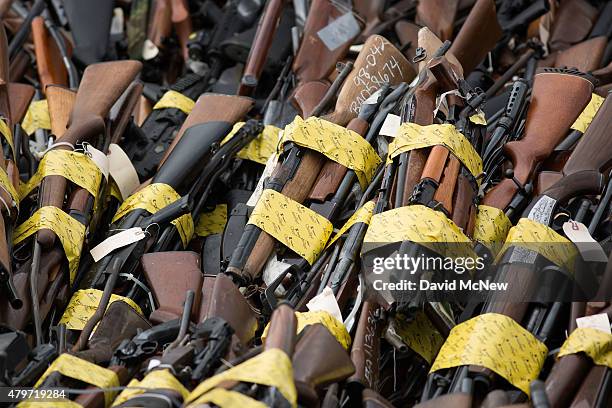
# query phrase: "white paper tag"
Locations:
[[270, 165], [122, 171], [117, 22], [325, 301], [391, 125], [149, 50], [339, 31], [598, 321], [153, 363], [119, 240], [590, 250], [99, 158], [272, 270]]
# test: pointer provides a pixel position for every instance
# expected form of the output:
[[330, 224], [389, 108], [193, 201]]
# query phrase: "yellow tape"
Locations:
[[71, 233], [272, 368], [176, 100], [37, 117], [155, 380], [363, 214], [491, 227], [227, 399], [302, 230], [153, 198], [84, 303], [76, 167], [479, 118], [335, 327], [420, 335], [586, 117], [74, 367], [212, 222], [261, 148], [594, 343], [498, 343], [7, 133], [538, 237], [60, 403], [114, 190], [335, 142], [422, 225], [7, 185], [412, 136]]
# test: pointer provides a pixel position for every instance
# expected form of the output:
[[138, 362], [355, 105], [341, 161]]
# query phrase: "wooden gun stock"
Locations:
[[60, 101], [594, 149], [51, 69], [256, 60], [479, 34], [314, 61], [169, 288], [101, 86], [585, 57], [20, 96], [439, 16], [573, 23], [368, 75], [559, 95]]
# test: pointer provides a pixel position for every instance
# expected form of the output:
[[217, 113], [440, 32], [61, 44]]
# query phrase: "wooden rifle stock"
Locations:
[[431, 43], [314, 61], [92, 103], [268, 23], [573, 23], [307, 96], [51, 69], [439, 16], [20, 96], [479, 34], [60, 101], [560, 95], [585, 56], [368, 75]]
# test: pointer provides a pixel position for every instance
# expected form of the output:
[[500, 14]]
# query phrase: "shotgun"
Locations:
[[181, 20], [550, 88], [573, 23], [585, 56]]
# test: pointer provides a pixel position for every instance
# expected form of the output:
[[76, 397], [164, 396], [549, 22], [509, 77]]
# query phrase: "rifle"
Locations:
[[297, 174], [190, 170], [582, 176], [549, 87], [92, 103], [10, 208], [90, 22], [181, 20], [280, 339]]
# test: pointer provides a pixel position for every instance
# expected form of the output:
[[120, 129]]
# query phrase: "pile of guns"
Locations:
[[335, 203]]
